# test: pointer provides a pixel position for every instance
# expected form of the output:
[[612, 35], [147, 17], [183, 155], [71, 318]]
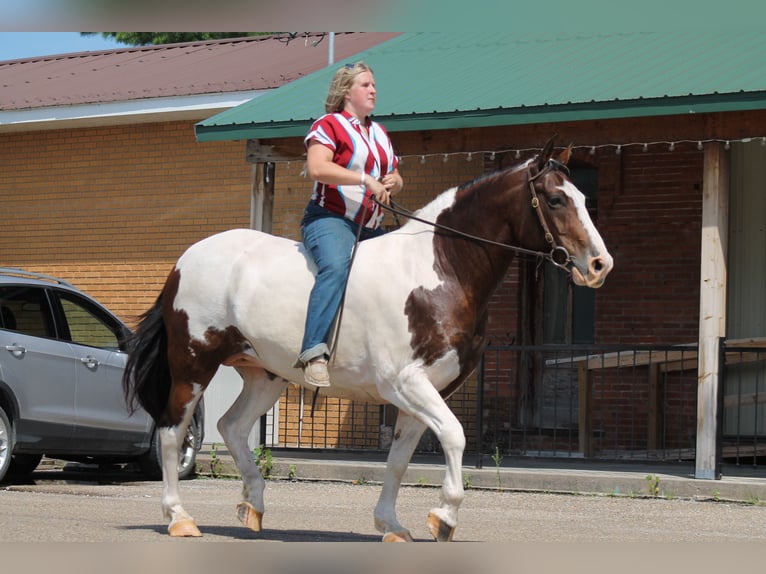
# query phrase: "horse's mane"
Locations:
[[475, 186]]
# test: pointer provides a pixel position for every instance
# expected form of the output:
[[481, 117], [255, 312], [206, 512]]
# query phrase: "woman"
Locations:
[[351, 159]]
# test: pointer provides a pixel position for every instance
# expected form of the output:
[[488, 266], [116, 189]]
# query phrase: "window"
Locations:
[[25, 309], [87, 325], [568, 308]]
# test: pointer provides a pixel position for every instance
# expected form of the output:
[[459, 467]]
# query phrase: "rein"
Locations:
[[557, 251], [558, 255]]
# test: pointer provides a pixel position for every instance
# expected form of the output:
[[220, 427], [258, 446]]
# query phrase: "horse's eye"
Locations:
[[555, 201]]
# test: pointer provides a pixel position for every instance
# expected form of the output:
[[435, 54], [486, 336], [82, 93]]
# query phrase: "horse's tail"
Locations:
[[146, 380]]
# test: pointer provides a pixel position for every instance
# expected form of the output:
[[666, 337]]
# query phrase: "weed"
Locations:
[[755, 501], [653, 482], [467, 481], [291, 474], [422, 481], [360, 480], [216, 464], [497, 458], [264, 460]]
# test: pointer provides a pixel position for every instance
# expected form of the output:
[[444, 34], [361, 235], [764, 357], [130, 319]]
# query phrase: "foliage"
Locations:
[[498, 458], [654, 484], [216, 465], [264, 460], [150, 38]]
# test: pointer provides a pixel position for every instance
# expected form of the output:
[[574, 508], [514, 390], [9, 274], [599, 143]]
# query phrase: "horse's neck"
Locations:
[[481, 210]]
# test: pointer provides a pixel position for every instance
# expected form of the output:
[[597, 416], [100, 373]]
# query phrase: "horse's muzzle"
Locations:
[[595, 273]]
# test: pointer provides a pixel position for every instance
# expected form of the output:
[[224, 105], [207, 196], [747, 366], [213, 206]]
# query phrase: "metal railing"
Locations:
[[742, 433], [621, 403]]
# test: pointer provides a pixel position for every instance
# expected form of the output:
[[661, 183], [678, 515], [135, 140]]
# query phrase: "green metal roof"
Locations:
[[432, 80]]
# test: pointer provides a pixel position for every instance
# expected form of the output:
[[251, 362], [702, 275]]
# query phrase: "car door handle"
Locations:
[[90, 362], [16, 350]]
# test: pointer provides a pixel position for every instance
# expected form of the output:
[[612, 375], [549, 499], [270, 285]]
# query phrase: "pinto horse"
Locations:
[[412, 330]]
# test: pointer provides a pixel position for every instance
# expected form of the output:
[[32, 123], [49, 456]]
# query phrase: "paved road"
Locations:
[[58, 507]]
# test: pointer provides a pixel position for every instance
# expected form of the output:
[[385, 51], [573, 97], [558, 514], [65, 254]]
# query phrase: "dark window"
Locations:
[[25, 309], [569, 309]]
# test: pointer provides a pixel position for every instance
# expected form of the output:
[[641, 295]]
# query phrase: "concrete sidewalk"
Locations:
[[571, 475]]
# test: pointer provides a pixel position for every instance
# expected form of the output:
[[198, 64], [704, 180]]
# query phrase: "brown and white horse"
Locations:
[[412, 329]]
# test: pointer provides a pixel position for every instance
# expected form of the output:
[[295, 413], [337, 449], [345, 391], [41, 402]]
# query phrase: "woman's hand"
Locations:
[[378, 189], [393, 182]]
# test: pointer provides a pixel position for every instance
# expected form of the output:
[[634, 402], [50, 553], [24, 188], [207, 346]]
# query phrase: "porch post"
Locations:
[[262, 197], [712, 326]]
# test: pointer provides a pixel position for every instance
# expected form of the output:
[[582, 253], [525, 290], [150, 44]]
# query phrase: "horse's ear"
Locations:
[[546, 154], [565, 154]]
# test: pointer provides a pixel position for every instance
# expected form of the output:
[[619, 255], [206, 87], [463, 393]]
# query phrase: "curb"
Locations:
[[630, 483]]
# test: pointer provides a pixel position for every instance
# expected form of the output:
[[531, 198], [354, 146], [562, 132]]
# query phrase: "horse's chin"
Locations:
[[582, 281]]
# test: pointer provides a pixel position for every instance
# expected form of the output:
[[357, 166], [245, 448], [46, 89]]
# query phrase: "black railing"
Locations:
[[622, 403], [742, 431], [610, 402]]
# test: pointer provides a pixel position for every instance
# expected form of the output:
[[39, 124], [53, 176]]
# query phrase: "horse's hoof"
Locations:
[[184, 528], [249, 516], [397, 537], [440, 530]]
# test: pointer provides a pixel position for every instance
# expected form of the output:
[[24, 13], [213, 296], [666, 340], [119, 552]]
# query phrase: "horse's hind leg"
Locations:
[[406, 436], [259, 393], [183, 400]]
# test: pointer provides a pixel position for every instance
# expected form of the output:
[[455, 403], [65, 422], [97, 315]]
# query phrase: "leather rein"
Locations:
[[558, 255]]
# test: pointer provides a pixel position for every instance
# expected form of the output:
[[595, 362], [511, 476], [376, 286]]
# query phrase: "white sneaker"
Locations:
[[315, 372]]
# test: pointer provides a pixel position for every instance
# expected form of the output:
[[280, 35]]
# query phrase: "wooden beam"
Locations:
[[712, 327], [288, 149]]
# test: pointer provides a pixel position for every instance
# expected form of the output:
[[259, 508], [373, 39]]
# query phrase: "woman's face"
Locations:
[[360, 99]]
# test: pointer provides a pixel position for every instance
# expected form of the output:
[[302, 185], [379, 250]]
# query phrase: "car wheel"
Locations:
[[6, 444], [151, 462], [23, 465]]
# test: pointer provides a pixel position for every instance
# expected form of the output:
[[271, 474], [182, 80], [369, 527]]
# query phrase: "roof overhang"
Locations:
[[213, 130], [144, 110]]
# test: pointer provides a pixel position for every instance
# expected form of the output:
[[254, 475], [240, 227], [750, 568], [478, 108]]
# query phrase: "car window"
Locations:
[[87, 324], [25, 309]]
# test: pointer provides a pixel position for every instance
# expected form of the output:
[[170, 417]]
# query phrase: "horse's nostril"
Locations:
[[597, 264]]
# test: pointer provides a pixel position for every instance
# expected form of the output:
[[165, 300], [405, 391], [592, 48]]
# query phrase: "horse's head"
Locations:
[[569, 231]]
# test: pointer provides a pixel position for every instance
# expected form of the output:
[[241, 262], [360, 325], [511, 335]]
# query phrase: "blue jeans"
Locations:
[[330, 239]]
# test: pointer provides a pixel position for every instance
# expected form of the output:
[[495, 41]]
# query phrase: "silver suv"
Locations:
[[62, 355]]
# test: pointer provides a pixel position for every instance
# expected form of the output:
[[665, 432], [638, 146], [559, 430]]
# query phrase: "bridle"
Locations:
[[556, 250], [558, 255]]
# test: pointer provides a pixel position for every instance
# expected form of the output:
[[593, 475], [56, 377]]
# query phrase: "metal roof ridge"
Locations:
[[148, 48]]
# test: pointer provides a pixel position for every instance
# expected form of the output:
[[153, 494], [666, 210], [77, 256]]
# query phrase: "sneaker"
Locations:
[[315, 372]]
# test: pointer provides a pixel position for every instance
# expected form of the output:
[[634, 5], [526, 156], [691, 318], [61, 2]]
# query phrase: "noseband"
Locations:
[[558, 254]]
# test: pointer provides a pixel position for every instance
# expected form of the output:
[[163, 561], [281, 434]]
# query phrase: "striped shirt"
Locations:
[[341, 132]]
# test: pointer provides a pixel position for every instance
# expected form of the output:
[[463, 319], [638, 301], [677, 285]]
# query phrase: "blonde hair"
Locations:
[[341, 84]]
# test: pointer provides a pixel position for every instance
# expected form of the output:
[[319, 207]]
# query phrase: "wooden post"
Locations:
[[715, 214], [262, 197], [656, 414], [585, 402]]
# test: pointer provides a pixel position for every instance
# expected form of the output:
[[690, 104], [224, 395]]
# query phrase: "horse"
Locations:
[[412, 330]]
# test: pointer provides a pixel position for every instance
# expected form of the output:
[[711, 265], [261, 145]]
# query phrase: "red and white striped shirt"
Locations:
[[341, 132]]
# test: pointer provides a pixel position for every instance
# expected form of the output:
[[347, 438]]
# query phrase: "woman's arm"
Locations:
[[320, 167]]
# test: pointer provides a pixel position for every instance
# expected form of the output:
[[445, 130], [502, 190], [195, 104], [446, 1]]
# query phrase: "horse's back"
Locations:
[[243, 277]]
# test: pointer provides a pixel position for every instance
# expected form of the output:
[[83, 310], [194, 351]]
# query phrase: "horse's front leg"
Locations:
[[418, 397], [180, 522], [406, 436], [259, 393]]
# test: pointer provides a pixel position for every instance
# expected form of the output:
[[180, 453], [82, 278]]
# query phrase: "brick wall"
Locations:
[[111, 209]]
